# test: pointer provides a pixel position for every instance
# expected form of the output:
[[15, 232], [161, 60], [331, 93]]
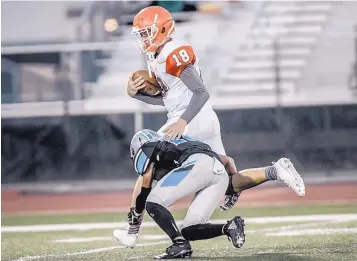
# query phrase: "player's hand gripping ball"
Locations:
[[140, 81]]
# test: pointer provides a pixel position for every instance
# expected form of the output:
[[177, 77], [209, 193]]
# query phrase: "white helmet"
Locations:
[[140, 138]]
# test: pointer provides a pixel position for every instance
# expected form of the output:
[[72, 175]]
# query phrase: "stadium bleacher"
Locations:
[[66, 114]]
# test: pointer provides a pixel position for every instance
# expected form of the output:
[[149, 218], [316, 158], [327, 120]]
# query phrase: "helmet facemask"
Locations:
[[145, 36]]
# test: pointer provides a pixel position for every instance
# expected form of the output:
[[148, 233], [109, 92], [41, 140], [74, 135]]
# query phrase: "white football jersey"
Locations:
[[167, 66]]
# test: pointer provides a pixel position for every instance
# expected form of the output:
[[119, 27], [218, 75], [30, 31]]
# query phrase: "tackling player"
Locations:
[[172, 170], [181, 167]]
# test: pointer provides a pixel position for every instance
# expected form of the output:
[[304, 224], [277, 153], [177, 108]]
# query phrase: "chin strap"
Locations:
[[149, 58]]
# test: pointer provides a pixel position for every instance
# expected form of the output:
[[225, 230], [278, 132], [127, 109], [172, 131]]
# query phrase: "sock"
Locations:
[[179, 240], [203, 231], [164, 219], [224, 229], [271, 173]]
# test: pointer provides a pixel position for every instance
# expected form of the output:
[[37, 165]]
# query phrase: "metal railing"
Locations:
[[352, 79], [9, 94], [86, 29]]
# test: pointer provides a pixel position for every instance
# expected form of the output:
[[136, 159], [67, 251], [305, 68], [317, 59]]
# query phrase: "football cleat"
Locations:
[[234, 229], [181, 248], [287, 173], [229, 201]]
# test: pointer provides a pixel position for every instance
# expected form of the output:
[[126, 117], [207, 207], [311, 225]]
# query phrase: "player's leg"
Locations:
[[216, 144], [208, 130], [195, 226], [249, 178], [216, 139], [282, 170], [191, 177]]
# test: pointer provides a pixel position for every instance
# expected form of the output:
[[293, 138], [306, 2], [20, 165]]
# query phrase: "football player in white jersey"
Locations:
[[175, 65]]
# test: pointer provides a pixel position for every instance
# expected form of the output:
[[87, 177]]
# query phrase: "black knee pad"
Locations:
[[151, 207], [158, 212], [163, 218]]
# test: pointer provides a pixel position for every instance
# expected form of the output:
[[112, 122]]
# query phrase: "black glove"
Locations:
[[134, 218]]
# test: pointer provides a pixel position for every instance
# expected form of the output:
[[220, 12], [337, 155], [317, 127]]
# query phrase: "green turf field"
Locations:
[[318, 232]]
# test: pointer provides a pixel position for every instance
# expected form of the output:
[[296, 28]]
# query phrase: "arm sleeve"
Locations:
[[193, 81], [153, 100], [141, 199]]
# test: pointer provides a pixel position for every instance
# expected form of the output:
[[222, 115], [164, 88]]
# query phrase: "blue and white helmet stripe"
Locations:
[[149, 134], [141, 162]]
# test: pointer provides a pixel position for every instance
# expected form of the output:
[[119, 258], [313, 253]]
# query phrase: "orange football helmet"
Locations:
[[153, 26]]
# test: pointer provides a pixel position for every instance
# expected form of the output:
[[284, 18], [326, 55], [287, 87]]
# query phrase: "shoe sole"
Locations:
[[181, 255], [239, 242]]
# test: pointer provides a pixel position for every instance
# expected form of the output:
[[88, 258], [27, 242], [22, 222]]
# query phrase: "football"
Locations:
[[152, 86]]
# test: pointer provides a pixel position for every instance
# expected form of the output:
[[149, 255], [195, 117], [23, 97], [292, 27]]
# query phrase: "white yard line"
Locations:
[[273, 230], [92, 239], [82, 239], [297, 226], [302, 218], [283, 228], [97, 250], [317, 231], [136, 257], [276, 231], [118, 225], [162, 236]]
